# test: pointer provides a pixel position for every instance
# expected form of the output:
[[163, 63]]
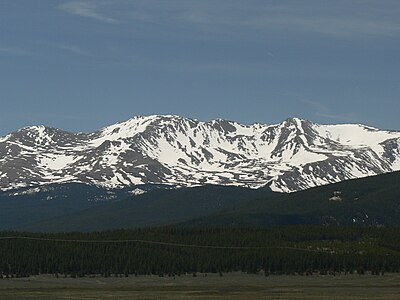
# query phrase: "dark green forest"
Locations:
[[300, 250], [371, 201]]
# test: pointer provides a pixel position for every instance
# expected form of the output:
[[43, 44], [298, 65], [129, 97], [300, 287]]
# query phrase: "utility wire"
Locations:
[[156, 243]]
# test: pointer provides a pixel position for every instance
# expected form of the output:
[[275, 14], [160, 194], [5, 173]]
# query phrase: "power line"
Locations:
[[157, 243]]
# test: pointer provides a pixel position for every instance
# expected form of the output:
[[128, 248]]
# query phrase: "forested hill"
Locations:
[[154, 208], [371, 201]]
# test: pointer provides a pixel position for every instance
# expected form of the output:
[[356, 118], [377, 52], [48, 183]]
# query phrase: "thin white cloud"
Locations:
[[339, 117], [87, 10], [13, 50], [341, 20], [322, 110], [332, 26], [74, 49], [318, 106]]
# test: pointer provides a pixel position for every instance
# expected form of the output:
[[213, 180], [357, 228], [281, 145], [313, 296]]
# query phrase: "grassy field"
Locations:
[[229, 286]]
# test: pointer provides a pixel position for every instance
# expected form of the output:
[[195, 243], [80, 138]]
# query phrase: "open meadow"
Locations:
[[212, 286]]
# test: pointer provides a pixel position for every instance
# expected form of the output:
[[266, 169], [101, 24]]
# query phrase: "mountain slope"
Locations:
[[28, 205], [293, 155], [371, 201], [157, 207]]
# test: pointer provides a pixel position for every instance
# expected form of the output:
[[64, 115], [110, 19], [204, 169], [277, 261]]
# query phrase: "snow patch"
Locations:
[[56, 161], [137, 192]]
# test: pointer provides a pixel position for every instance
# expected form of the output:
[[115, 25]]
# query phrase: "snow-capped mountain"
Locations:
[[293, 155]]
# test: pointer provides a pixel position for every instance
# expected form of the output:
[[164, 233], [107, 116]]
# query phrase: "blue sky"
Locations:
[[82, 65]]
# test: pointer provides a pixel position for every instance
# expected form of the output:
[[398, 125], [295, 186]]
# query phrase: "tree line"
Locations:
[[174, 251]]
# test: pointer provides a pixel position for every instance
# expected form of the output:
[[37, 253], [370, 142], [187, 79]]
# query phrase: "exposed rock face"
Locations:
[[294, 155]]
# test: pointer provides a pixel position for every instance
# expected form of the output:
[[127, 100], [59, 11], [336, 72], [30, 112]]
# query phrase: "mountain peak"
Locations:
[[167, 149], [296, 121]]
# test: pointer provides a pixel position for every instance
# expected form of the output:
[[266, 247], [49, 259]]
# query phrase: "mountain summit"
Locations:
[[293, 155]]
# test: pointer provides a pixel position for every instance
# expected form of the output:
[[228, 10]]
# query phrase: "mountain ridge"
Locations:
[[293, 155]]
